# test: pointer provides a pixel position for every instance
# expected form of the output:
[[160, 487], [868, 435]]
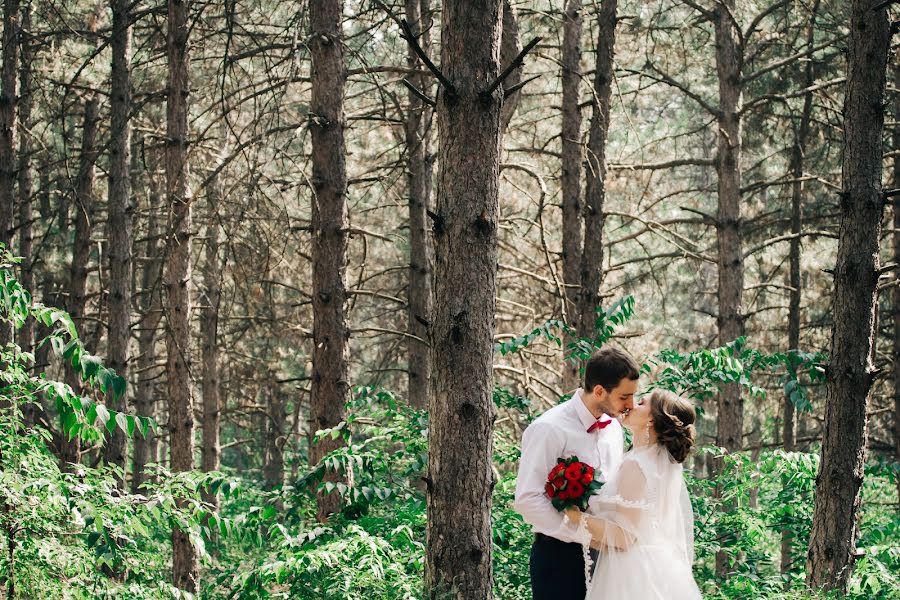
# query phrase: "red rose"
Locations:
[[551, 491], [556, 471], [565, 494], [588, 476], [559, 483], [575, 489], [573, 471]]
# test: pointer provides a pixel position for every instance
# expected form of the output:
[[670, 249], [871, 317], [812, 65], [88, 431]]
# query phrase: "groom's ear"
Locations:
[[598, 390]]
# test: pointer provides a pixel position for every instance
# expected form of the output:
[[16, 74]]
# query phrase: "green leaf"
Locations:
[[70, 424], [145, 423], [102, 415], [122, 422], [91, 414], [90, 366], [119, 384], [114, 421]]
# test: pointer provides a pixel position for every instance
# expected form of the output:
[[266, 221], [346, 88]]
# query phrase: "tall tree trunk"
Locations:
[[150, 306], [26, 201], [8, 101], [49, 296], [730, 407], [273, 471], [851, 369], [895, 142], [421, 248], [70, 449], [330, 385], [591, 270], [728, 227], [458, 558], [570, 182], [798, 153], [121, 213], [209, 325], [178, 278]]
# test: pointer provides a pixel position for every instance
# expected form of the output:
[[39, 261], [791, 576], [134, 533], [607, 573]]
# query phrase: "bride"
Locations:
[[641, 520]]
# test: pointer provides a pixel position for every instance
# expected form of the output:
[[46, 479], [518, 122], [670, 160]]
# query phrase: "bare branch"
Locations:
[[784, 97], [512, 66], [759, 18], [510, 91], [419, 94], [708, 14], [786, 61], [407, 35], [664, 78], [788, 237], [678, 162]]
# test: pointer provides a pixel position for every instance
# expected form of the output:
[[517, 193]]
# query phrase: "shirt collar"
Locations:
[[584, 415]]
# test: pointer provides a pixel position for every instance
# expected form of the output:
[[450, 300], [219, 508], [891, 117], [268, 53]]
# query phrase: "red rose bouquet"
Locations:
[[571, 483]]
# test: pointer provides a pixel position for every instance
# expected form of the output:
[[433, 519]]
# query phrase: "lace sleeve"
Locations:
[[617, 516]]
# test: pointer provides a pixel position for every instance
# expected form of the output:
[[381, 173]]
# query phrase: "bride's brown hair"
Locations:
[[673, 420]]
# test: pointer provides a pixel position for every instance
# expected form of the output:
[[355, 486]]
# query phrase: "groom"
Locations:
[[583, 426]]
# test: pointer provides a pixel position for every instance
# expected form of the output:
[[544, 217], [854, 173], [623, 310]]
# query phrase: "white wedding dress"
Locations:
[[647, 538]]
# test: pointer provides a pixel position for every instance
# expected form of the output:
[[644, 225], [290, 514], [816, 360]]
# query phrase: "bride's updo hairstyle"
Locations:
[[673, 420]]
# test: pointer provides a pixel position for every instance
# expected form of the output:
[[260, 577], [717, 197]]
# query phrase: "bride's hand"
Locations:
[[573, 514]]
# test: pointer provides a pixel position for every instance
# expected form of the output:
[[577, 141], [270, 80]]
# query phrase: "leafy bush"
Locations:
[[76, 535]]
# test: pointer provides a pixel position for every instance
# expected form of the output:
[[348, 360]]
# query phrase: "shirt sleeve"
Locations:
[[542, 444]]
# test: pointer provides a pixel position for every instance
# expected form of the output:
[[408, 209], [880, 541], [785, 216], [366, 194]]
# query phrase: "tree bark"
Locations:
[[121, 212], [70, 449], [730, 322], [895, 142], [570, 182], [851, 370], [273, 471], [798, 153], [26, 200], [8, 102], [209, 347], [421, 247], [728, 225], [178, 278], [49, 295], [591, 270], [330, 385], [150, 306], [458, 558]]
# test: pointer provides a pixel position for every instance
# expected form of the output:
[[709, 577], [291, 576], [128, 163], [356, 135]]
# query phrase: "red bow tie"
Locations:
[[599, 425]]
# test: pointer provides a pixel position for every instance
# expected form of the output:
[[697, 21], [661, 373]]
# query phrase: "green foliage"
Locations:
[[766, 495], [80, 416], [701, 374], [580, 348], [75, 534], [379, 552], [605, 325]]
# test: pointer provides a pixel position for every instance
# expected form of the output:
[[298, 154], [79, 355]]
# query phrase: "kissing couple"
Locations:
[[635, 539]]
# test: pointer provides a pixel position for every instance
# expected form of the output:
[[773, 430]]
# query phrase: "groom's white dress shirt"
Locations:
[[561, 432]]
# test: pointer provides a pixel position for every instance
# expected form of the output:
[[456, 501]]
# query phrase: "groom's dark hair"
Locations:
[[608, 367]]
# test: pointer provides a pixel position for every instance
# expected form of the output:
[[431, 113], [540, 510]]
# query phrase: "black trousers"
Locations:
[[557, 569]]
